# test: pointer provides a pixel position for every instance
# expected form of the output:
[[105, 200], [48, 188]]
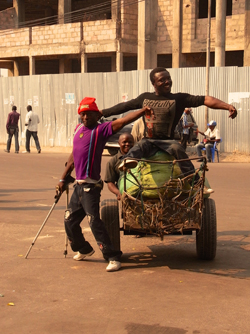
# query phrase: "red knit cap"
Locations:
[[88, 104]]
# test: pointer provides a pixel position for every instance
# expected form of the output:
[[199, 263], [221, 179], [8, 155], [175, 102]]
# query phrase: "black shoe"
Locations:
[[209, 160], [17, 152], [39, 151], [6, 151]]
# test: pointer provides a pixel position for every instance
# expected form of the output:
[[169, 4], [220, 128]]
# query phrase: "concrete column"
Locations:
[[32, 68], [65, 65], [115, 9], [64, 7], [16, 69], [61, 66], [119, 57], [177, 58], [119, 61], [247, 34], [10, 73], [220, 33], [84, 62], [147, 34], [19, 6]]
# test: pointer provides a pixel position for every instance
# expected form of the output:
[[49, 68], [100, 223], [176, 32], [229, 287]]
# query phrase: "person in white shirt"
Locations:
[[212, 135], [31, 122]]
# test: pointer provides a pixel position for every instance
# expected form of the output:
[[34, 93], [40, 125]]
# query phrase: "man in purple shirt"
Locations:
[[12, 129], [89, 140]]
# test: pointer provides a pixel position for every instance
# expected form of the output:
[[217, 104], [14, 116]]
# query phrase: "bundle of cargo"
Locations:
[[158, 199]]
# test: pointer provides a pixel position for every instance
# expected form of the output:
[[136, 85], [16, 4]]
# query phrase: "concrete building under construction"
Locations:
[[73, 36]]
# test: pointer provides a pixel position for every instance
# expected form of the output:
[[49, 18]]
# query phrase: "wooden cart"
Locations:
[[180, 208]]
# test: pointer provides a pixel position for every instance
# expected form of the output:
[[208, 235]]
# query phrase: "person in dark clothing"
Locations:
[[12, 129], [112, 174], [167, 111], [126, 142], [186, 127]]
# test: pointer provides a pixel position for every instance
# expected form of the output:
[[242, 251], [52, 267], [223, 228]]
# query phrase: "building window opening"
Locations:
[[83, 11], [203, 8], [229, 7], [234, 58]]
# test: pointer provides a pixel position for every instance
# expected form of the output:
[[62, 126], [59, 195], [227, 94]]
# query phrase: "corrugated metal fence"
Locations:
[[56, 97]]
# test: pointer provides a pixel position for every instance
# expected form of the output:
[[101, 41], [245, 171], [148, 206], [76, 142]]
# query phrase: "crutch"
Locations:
[[57, 197], [68, 179], [66, 237]]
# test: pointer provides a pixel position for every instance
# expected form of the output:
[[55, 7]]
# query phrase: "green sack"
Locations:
[[151, 175], [132, 186]]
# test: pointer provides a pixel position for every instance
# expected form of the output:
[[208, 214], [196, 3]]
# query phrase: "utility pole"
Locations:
[[208, 58]]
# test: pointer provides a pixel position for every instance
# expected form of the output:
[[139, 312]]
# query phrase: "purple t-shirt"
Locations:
[[88, 145]]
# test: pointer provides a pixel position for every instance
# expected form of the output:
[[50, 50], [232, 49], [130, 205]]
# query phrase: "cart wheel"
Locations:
[[206, 237], [110, 217]]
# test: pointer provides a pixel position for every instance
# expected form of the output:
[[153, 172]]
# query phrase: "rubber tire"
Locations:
[[206, 237], [113, 150], [110, 217]]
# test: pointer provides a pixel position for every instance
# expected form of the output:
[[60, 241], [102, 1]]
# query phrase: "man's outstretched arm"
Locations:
[[214, 103], [119, 123]]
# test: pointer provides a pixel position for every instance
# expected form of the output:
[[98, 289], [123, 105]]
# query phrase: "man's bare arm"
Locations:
[[214, 103], [113, 188], [119, 123], [69, 167]]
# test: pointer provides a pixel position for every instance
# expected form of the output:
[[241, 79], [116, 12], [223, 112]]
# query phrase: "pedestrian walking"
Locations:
[[12, 129], [31, 122]]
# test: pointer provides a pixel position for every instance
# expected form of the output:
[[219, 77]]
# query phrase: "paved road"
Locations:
[[161, 288]]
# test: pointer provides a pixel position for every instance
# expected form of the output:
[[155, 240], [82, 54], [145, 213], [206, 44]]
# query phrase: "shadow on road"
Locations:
[[232, 258]]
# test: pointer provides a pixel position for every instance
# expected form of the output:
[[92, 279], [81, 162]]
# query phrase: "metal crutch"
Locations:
[[57, 197], [66, 237]]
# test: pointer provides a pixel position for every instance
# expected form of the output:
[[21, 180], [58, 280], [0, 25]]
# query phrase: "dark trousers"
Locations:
[[10, 135], [184, 140], [85, 201], [208, 148], [148, 147], [28, 136]]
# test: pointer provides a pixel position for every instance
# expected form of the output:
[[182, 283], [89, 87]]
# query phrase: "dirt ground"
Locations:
[[235, 157], [162, 287]]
